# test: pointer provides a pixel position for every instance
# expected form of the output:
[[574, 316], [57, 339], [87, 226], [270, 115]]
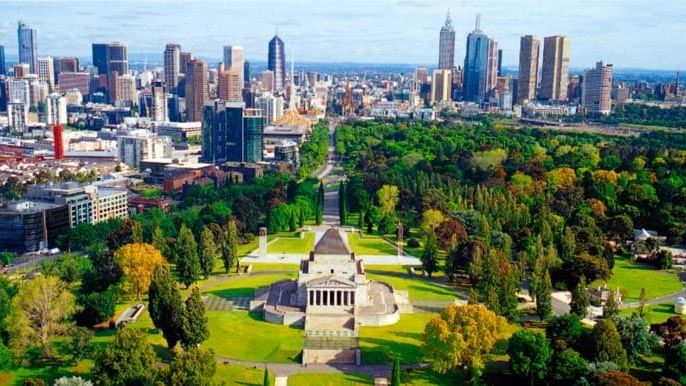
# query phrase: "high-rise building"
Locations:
[[75, 80], [27, 38], [441, 84], [267, 80], [597, 90], [196, 89], [21, 70], [230, 85], [159, 101], [117, 58], [555, 74], [184, 59], [446, 45], [66, 64], [56, 110], [271, 106], [529, 49], [172, 66], [253, 124], [17, 116], [276, 62], [476, 65], [46, 71], [99, 55], [139, 145], [246, 74], [231, 132], [18, 91], [493, 66], [3, 69], [234, 60]]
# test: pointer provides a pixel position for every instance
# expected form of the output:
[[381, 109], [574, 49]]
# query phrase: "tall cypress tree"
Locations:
[[266, 381], [208, 251], [320, 204], [195, 329], [187, 260], [342, 204], [395, 377], [230, 246], [165, 306]]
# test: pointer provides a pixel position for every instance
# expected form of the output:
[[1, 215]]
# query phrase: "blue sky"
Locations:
[[627, 33]]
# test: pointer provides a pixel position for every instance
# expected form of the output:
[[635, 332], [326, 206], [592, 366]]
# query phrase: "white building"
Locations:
[[142, 144], [17, 115], [159, 102], [18, 91], [56, 110], [271, 106]]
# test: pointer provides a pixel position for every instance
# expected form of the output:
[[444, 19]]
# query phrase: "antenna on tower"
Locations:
[[478, 22]]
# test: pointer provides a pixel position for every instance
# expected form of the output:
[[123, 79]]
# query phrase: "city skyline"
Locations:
[[616, 32]]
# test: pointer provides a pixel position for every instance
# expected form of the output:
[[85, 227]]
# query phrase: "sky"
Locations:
[[645, 34]]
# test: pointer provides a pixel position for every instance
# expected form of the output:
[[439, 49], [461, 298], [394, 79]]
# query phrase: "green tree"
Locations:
[[229, 246], [187, 260], [195, 367], [80, 344], [611, 308], [7, 258], [429, 257], [266, 381], [564, 330], [542, 287], [675, 362], [636, 337], [607, 344], [301, 218], [165, 306], [319, 212], [395, 374], [208, 251], [195, 329], [567, 366], [128, 360], [580, 299], [95, 307], [342, 203], [137, 232], [529, 355], [160, 242]]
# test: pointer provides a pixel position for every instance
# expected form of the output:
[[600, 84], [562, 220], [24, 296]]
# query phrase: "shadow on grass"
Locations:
[[383, 351], [233, 292]]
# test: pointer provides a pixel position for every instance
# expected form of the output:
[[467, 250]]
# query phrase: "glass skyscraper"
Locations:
[[3, 69], [28, 46], [480, 65], [276, 62], [99, 51], [253, 122]]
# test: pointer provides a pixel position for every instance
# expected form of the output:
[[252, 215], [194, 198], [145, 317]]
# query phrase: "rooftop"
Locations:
[[331, 243]]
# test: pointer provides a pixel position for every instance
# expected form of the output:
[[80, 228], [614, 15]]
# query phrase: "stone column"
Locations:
[[263, 242], [345, 298]]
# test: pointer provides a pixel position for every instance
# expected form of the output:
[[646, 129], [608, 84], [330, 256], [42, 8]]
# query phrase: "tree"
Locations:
[[580, 299], [319, 213], [80, 344], [160, 242], [388, 199], [193, 367], [616, 378], [450, 233], [395, 373], [452, 263], [529, 355], [564, 330], [301, 218], [137, 232], [138, 261], [128, 360], [611, 308], [642, 300], [461, 336], [95, 307], [431, 219], [607, 344], [229, 246], [165, 306], [663, 259], [186, 257], [342, 203], [429, 257], [265, 380], [542, 288], [675, 362], [636, 337], [41, 311], [208, 251], [7, 258], [567, 366], [195, 329]]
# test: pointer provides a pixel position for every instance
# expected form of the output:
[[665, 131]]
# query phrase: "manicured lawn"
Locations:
[[404, 339], [293, 245], [630, 277], [243, 335], [262, 267], [244, 286], [418, 288], [239, 375], [329, 379], [370, 245], [657, 313]]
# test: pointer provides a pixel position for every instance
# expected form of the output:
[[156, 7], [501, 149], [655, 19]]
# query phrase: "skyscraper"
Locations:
[[3, 69], [446, 45], [196, 89], [597, 90], [231, 132], [159, 102], [235, 60], [441, 85], [172, 63], [28, 46], [99, 54], [117, 58], [184, 58], [555, 74], [477, 65], [46, 71], [253, 124], [493, 68], [529, 48], [276, 62], [229, 85], [246, 74]]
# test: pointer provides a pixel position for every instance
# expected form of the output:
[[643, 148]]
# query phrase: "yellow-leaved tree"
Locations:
[[431, 219], [461, 336], [388, 199], [138, 261]]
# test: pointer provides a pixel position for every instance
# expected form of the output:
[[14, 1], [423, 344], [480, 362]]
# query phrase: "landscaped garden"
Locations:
[[630, 277], [370, 245], [292, 244]]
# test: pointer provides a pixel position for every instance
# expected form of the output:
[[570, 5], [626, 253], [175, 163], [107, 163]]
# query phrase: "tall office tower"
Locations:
[[3, 69], [441, 84], [276, 62], [117, 58], [555, 74], [172, 63], [159, 102], [421, 75], [46, 71], [18, 91], [253, 124], [271, 106], [113, 90], [235, 60], [476, 65], [246, 74], [99, 55], [230, 85], [446, 45], [597, 90], [67, 64], [312, 78], [56, 109], [222, 131], [267, 80], [196, 89], [529, 49], [493, 65], [126, 85], [21, 70], [184, 59], [28, 46]]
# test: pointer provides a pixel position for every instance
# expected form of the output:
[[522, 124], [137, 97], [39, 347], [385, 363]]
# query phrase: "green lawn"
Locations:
[[657, 313], [630, 277], [293, 245], [239, 375], [370, 245], [329, 379], [244, 286], [243, 335], [404, 339], [262, 267], [417, 287]]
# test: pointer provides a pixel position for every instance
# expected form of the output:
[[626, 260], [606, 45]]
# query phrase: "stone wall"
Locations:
[[349, 356], [378, 319]]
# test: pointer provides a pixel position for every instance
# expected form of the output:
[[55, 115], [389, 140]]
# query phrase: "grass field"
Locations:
[[370, 245], [244, 286], [417, 288], [630, 277], [239, 375], [243, 335], [292, 244], [263, 267], [380, 344], [657, 313], [329, 379]]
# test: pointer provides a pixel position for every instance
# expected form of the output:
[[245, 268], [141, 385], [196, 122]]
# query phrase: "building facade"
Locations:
[[529, 52], [27, 38], [276, 62], [196, 89], [597, 90], [555, 73], [476, 66], [441, 85], [172, 63], [46, 71], [446, 45]]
